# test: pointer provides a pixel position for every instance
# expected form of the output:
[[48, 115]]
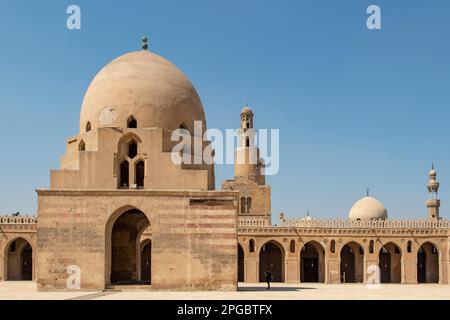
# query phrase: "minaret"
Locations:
[[246, 118], [247, 163], [433, 202]]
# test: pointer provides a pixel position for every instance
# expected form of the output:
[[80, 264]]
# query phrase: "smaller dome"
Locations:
[[432, 173], [307, 218], [368, 208]]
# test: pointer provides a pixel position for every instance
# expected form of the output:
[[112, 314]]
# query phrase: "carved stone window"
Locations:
[[251, 245], [131, 122], [243, 205], [292, 246], [82, 146], [132, 149]]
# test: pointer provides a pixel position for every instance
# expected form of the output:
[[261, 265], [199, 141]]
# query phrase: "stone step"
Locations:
[[129, 287]]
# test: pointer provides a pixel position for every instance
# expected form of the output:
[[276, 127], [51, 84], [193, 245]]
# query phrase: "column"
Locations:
[[251, 266], [292, 267], [332, 270]]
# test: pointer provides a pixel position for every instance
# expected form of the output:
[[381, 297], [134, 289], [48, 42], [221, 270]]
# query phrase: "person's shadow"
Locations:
[[273, 288]]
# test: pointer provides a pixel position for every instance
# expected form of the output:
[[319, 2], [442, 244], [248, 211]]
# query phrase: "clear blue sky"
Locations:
[[355, 108]]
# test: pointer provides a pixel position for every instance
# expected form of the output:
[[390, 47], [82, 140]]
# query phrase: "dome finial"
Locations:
[[144, 43], [367, 192]]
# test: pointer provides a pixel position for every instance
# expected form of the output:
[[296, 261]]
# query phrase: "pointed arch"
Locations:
[[124, 174], [249, 204], [389, 261], [271, 258], [312, 262], [428, 263], [352, 263], [371, 246], [243, 210], [292, 246], [18, 264], [409, 246], [146, 261], [140, 173], [333, 246], [131, 122], [122, 234], [88, 126], [251, 245], [241, 264], [82, 146], [132, 149]]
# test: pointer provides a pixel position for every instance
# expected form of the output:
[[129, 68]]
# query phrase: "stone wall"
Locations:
[[22, 229], [194, 237], [331, 241]]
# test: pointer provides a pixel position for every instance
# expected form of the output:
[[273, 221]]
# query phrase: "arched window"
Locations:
[[82, 146], [140, 170], [131, 122], [292, 246], [249, 204], [248, 125], [247, 142], [434, 250], [251, 245], [183, 126], [124, 174], [242, 205], [132, 149], [333, 246], [409, 246], [88, 126], [371, 243]]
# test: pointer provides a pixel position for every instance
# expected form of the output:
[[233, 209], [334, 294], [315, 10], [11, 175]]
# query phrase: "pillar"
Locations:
[[2, 262], [332, 270], [251, 267], [409, 268], [402, 270], [441, 271], [292, 267], [368, 277]]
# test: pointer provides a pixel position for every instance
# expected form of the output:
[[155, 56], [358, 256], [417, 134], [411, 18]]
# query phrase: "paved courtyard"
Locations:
[[25, 290]]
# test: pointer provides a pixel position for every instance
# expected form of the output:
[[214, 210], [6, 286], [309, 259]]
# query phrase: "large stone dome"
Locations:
[[368, 208], [145, 86]]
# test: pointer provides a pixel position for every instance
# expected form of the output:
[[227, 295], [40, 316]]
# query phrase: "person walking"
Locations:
[[268, 278]]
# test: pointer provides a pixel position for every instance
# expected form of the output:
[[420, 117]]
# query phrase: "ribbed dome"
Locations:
[[368, 208], [145, 86]]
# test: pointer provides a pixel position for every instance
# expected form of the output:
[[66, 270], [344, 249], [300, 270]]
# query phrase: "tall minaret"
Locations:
[[433, 202], [248, 165]]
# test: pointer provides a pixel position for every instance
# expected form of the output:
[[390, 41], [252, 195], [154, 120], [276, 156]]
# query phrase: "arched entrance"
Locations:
[[19, 260], [271, 258], [312, 266], [427, 264], [240, 264], [125, 247], [146, 261], [352, 263], [390, 263]]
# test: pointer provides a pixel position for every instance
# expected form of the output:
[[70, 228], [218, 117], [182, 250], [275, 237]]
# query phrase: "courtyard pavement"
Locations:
[[26, 290]]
